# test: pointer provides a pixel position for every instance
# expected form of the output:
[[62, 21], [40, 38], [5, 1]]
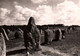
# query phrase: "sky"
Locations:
[[18, 12]]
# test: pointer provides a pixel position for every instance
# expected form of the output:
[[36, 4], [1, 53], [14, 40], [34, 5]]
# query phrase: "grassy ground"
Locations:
[[70, 46]]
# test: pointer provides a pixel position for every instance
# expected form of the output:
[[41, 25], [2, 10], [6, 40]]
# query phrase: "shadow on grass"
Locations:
[[51, 54], [45, 43], [16, 51]]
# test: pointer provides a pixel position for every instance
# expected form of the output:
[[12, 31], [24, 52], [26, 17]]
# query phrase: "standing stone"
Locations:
[[2, 45], [63, 34], [58, 34], [32, 35], [18, 33], [49, 36]]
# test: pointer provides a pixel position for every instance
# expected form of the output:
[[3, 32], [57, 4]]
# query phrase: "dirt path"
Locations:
[[53, 51], [46, 51]]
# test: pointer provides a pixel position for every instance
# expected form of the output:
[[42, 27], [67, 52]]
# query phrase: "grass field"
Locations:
[[70, 46]]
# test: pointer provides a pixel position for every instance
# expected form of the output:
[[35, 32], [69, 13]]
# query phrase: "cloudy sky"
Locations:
[[18, 12]]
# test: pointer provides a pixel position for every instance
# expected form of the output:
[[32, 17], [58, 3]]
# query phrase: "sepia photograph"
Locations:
[[39, 27]]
